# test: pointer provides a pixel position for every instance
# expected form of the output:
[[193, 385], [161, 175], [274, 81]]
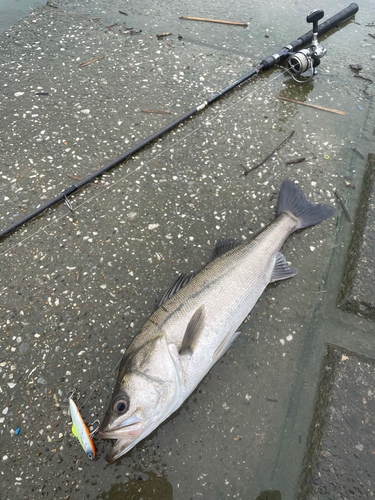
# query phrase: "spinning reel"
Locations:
[[308, 58]]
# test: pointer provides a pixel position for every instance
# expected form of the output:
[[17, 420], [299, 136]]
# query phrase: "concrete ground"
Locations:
[[288, 411]]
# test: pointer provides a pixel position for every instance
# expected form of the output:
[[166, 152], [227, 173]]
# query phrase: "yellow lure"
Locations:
[[81, 431]]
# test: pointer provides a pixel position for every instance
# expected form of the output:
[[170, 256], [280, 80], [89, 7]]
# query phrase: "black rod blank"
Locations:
[[267, 63]]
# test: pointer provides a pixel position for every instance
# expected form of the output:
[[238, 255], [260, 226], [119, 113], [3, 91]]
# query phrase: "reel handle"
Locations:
[[313, 17]]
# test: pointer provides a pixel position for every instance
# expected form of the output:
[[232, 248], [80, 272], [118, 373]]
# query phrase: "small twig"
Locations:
[[78, 274], [121, 12], [160, 112], [89, 62], [358, 153], [313, 106], [363, 78], [74, 177], [343, 206], [163, 34], [130, 31], [94, 19], [212, 20], [373, 36], [269, 156], [80, 178], [298, 160]]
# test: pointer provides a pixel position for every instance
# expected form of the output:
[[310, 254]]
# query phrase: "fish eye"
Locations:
[[120, 404], [90, 455]]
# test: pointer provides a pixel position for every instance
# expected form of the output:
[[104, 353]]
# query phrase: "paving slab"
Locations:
[[357, 294], [339, 462], [77, 287]]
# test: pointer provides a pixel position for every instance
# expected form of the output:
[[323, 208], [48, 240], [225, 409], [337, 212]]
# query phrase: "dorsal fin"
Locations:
[[193, 330], [223, 246], [282, 271], [180, 282]]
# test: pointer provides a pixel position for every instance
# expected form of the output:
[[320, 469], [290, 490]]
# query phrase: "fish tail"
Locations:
[[293, 200]]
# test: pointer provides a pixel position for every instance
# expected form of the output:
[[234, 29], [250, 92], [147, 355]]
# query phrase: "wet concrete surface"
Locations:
[[76, 288]]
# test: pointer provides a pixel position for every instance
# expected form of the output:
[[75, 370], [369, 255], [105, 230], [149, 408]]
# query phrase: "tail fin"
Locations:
[[292, 199]]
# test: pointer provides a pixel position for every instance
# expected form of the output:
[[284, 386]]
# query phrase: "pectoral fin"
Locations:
[[282, 271], [193, 331]]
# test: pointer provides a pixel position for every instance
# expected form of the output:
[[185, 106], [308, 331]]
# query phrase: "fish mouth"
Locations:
[[124, 431], [126, 434]]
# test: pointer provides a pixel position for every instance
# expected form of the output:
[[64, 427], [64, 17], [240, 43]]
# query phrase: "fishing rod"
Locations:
[[299, 61]]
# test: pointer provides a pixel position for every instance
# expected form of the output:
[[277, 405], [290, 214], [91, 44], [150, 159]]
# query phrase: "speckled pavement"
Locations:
[[75, 287]]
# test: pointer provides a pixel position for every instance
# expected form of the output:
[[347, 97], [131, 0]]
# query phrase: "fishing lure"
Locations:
[[81, 431]]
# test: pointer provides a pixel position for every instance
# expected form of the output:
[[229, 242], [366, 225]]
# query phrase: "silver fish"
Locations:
[[197, 321]]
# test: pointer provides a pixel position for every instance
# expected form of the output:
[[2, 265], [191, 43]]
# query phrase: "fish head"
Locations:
[[137, 407]]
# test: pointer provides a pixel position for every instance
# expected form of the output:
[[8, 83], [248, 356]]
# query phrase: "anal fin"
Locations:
[[282, 271]]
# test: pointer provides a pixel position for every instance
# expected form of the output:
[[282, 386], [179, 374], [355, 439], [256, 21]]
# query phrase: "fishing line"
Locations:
[[306, 58], [98, 383], [144, 164]]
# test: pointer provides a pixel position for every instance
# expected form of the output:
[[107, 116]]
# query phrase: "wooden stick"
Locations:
[[163, 34], [80, 178], [161, 112], [313, 106], [89, 62], [358, 153], [343, 206], [269, 156], [363, 78], [212, 20], [74, 177], [298, 160]]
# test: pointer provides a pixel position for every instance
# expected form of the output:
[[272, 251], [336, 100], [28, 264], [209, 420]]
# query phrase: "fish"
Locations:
[[196, 321], [81, 431]]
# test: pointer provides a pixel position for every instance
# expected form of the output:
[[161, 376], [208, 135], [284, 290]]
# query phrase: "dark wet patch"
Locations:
[[141, 486]]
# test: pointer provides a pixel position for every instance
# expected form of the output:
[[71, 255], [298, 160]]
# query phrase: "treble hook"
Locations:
[[92, 424]]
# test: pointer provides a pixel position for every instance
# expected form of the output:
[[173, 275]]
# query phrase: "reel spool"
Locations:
[[308, 58]]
